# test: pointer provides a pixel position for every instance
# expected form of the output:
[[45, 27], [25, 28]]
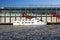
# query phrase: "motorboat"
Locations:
[[33, 21], [28, 20]]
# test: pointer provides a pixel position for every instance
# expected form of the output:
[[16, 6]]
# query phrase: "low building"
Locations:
[[10, 14]]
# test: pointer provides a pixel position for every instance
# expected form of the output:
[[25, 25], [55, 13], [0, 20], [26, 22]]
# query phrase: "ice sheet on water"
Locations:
[[47, 32]]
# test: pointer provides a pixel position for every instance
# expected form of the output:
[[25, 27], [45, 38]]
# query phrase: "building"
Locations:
[[10, 14]]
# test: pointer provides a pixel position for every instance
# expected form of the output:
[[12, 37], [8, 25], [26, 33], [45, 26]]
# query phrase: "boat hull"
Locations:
[[30, 24]]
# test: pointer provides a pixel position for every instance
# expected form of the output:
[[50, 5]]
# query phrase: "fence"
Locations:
[[11, 19]]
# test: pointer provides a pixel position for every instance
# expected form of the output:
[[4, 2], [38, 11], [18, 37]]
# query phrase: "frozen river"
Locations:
[[46, 32]]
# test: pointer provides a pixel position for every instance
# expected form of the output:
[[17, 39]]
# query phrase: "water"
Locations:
[[46, 32]]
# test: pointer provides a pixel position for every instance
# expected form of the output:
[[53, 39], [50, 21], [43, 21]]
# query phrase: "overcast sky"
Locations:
[[28, 2]]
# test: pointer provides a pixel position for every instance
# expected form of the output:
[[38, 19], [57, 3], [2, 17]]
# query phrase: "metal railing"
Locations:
[[11, 19]]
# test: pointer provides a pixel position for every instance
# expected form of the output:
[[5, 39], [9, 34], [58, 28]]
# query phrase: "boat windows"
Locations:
[[25, 22], [40, 19], [32, 22], [22, 22], [37, 21]]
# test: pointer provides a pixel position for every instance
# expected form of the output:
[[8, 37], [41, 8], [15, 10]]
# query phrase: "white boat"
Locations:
[[32, 21], [29, 20]]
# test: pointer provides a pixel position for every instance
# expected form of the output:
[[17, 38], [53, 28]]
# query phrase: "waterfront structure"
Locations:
[[10, 14]]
